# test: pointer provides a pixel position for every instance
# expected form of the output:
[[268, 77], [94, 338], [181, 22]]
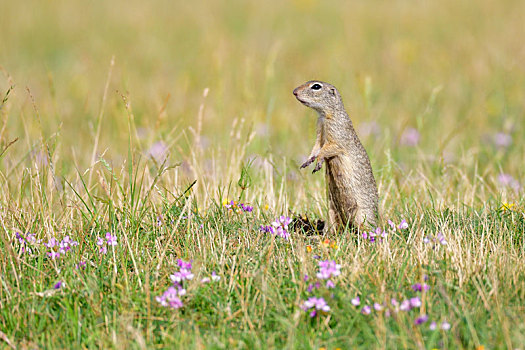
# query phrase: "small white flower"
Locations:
[[215, 277], [445, 326]]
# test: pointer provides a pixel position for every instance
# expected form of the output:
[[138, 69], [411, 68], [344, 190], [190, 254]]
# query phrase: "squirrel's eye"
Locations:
[[316, 86]]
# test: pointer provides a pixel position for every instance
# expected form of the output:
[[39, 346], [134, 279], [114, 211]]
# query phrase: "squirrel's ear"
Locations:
[[332, 92]]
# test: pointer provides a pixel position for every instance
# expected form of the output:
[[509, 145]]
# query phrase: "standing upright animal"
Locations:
[[351, 187]]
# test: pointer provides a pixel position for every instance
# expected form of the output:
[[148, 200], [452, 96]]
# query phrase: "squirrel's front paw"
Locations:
[[318, 166], [308, 162]]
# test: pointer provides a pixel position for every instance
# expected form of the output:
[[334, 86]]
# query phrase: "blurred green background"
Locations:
[[454, 71]]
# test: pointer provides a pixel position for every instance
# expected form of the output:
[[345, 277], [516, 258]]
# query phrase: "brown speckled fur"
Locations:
[[351, 187]]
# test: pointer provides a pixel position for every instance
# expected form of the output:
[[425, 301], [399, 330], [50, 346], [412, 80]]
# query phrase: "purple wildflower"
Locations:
[[420, 320], [111, 240], [158, 151], [102, 244], [418, 287], [330, 284], [403, 225], [372, 236], [328, 268], [81, 265], [378, 307], [441, 239], [31, 238], [392, 225], [281, 232], [181, 275], [282, 221], [64, 246], [366, 310], [405, 305], [51, 243], [58, 285], [415, 302], [356, 301], [215, 277], [184, 273], [53, 255], [67, 240], [267, 229], [507, 180], [502, 140], [71, 242], [432, 326], [317, 304], [380, 232], [410, 137], [26, 242], [280, 227], [58, 248], [171, 297], [205, 280], [246, 208], [445, 325], [19, 237], [184, 265]]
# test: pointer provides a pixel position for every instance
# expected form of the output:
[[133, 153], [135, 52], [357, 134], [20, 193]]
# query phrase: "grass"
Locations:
[[142, 119]]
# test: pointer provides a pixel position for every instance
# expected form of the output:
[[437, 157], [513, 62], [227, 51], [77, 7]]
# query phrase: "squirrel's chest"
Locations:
[[322, 133], [328, 134]]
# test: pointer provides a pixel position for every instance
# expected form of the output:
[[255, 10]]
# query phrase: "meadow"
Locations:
[[147, 147]]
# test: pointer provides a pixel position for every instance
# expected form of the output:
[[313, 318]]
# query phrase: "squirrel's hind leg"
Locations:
[[365, 217], [334, 220]]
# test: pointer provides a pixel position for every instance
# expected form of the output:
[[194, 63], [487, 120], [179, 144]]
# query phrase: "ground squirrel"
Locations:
[[351, 187]]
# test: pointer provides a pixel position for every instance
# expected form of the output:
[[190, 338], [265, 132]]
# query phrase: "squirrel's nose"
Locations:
[[295, 92]]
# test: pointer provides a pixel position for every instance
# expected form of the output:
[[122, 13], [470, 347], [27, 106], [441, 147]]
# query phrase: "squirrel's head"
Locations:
[[318, 95]]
